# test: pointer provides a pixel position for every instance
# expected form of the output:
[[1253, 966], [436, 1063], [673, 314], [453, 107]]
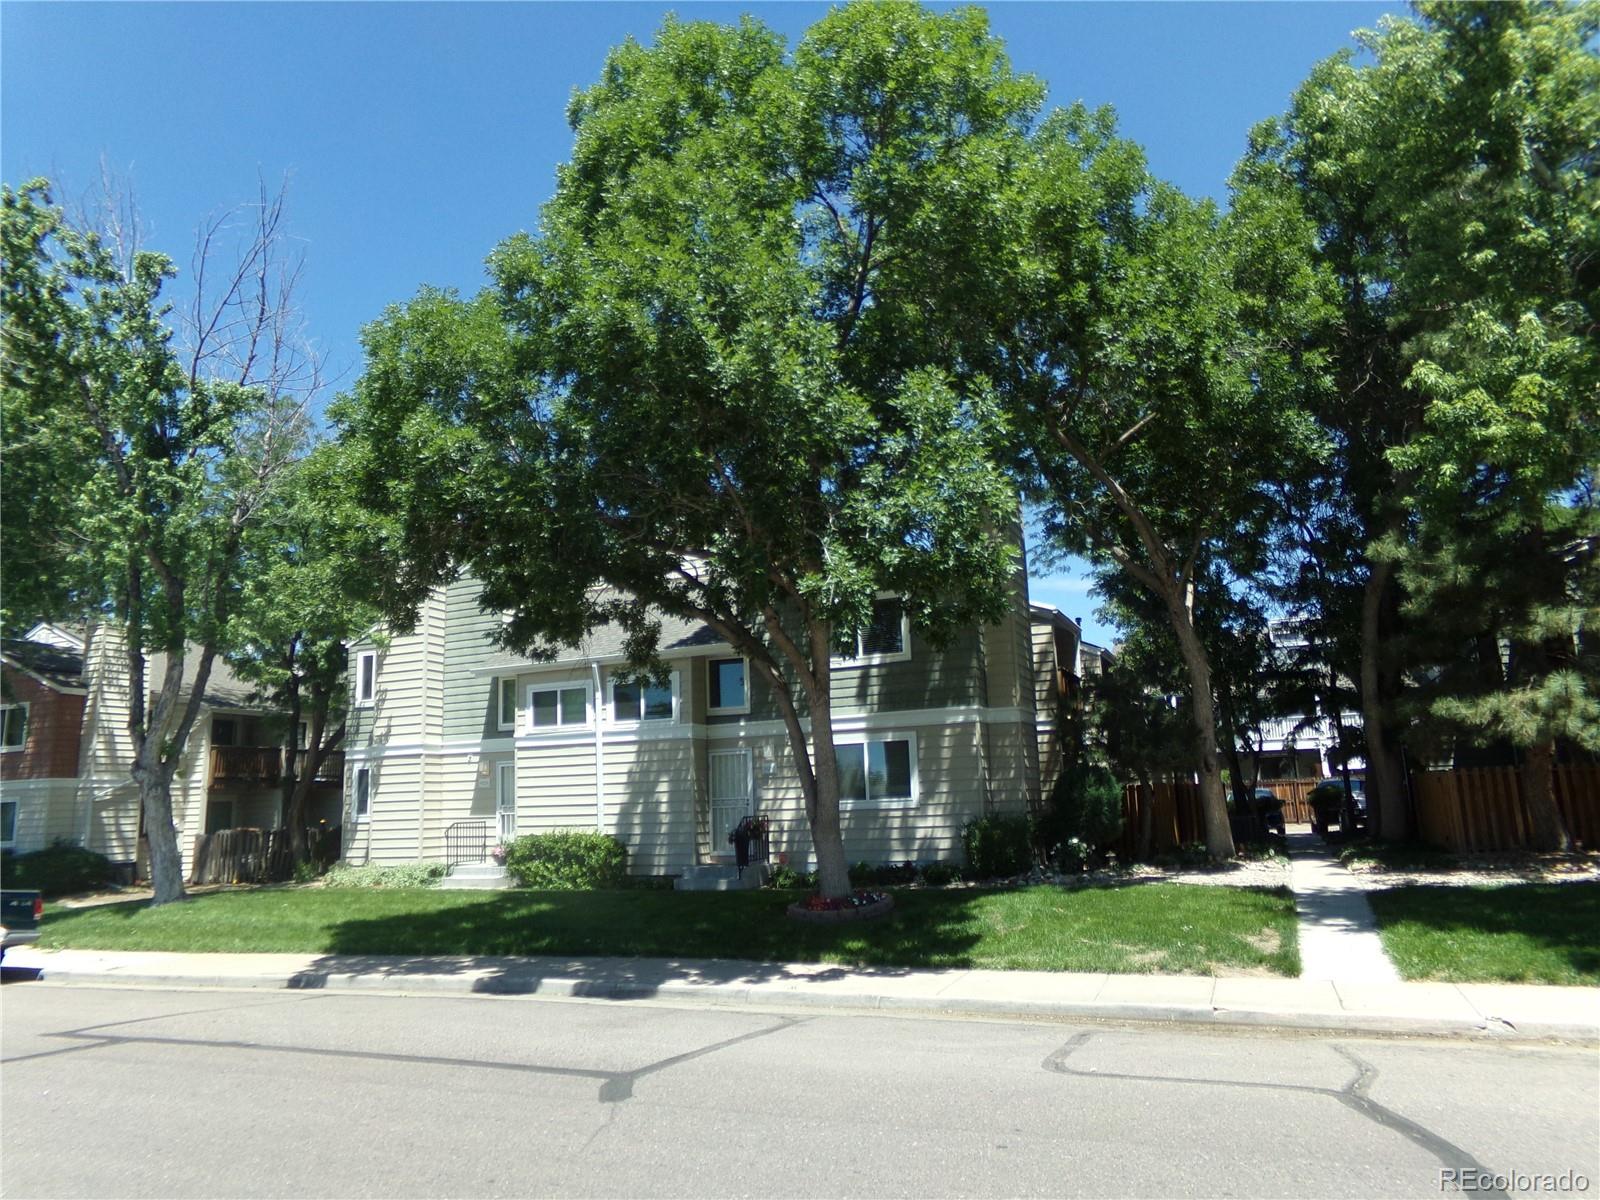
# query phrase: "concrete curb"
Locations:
[[1491, 1011]]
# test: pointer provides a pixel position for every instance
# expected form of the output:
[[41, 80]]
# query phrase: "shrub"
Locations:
[[998, 844], [568, 860], [882, 875], [407, 875], [785, 876], [939, 874], [58, 870], [1086, 804]]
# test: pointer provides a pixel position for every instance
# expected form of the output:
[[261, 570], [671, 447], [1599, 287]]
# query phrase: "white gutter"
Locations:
[[599, 754]]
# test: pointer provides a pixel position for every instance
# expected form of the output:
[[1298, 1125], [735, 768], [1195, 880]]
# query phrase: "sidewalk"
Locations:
[[1498, 1010], [1338, 934]]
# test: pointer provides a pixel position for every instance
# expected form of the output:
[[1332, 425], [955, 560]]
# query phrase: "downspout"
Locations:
[[599, 754]]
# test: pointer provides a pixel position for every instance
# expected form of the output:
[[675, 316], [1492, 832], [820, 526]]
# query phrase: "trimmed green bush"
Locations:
[[997, 845], [58, 870], [786, 877], [882, 875], [940, 874], [408, 875], [1086, 804], [568, 860]]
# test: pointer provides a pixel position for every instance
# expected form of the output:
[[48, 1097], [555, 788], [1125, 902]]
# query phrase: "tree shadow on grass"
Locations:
[[1556, 920], [629, 944]]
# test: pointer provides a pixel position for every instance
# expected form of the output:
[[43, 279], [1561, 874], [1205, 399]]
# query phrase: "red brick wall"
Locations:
[[55, 721]]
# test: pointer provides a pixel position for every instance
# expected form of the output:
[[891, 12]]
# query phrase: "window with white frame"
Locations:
[[728, 685], [634, 700], [13, 726], [506, 700], [8, 822], [562, 707], [361, 793], [887, 637], [877, 772], [366, 676]]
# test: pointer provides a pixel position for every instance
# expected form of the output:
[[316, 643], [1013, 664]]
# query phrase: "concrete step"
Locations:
[[717, 878], [477, 876]]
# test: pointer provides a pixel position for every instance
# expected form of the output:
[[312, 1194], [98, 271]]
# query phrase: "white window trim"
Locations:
[[16, 818], [361, 657], [559, 727], [839, 662], [625, 723], [728, 710], [356, 815], [894, 801], [500, 703], [27, 726]]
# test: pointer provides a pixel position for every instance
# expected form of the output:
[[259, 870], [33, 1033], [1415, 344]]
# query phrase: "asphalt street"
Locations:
[[145, 1092]]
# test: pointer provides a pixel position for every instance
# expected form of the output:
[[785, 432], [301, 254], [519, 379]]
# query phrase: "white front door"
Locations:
[[505, 801], [731, 793]]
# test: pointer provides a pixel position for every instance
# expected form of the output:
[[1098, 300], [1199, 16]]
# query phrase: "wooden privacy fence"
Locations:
[[1481, 808], [1293, 793], [256, 855], [1176, 818]]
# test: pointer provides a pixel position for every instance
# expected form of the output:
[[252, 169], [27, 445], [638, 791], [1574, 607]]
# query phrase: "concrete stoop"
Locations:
[[718, 878], [488, 876]]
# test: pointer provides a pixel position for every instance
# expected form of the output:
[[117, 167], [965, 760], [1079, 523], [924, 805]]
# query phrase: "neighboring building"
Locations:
[[1300, 745], [66, 701], [41, 720], [450, 736]]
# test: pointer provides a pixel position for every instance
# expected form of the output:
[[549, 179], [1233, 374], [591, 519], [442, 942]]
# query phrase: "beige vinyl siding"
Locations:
[[389, 834], [930, 678], [461, 788], [653, 786], [47, 811], [1048, 702], [949, 768], [555, 784]]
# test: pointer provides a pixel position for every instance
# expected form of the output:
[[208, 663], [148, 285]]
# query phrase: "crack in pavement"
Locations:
[[615, 1086], [1355, 1095]]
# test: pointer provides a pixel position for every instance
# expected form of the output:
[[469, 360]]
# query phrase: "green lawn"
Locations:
[[1146, 928], [1520, 933]]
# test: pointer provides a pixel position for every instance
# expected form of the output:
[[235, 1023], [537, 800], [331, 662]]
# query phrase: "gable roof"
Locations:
[[607, 643], [52, 665]]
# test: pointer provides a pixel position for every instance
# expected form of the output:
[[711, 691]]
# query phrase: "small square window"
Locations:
[[726, 685], [13, 726], [553, 707], [876, 773], [883, 640], [633, 700]]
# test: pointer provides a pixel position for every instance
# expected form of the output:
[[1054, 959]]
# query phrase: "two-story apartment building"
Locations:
[[449, 733], [64, 769]]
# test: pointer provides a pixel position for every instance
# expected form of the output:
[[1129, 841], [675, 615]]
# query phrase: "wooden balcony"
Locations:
[[264, 765]]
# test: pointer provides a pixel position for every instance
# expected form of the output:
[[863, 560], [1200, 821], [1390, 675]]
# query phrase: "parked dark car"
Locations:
[[20, 914], [1269, 807]]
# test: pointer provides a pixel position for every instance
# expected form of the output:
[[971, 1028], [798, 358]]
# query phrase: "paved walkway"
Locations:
[[1505, 1010], [1339, 939]]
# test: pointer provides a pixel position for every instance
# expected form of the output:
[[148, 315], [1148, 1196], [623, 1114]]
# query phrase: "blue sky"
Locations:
[[417, 136]]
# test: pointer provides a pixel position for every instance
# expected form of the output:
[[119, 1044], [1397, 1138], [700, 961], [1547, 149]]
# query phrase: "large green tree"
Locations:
[[147, 452], [1156, 364], [736, 376], [1452, 181], [298, 608]]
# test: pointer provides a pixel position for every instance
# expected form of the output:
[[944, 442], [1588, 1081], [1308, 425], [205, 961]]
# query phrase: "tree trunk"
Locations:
[[1539, 799], [833, 871], [1387, 817], [1213, 803], [166, 863], [1147, 817]]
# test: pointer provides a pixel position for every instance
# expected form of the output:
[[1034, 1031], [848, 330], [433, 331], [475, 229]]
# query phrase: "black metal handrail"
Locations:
[[466, 842]]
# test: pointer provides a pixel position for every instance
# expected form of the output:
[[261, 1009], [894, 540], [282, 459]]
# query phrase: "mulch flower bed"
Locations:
[[858, 906]]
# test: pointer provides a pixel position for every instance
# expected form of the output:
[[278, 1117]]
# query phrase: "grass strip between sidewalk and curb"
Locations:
[[1152, 928], [1521, 933]]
